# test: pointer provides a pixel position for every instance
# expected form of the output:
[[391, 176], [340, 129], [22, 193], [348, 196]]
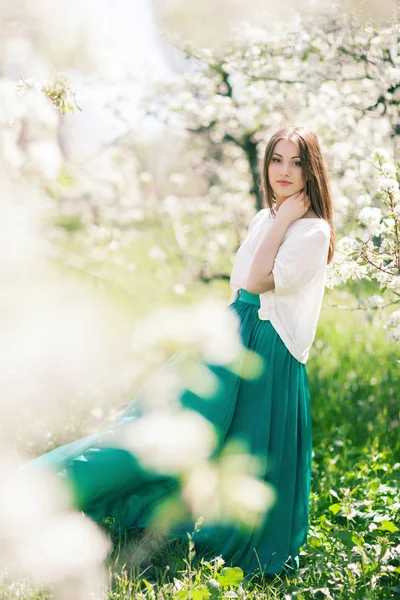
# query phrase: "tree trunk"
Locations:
[[250, 148]]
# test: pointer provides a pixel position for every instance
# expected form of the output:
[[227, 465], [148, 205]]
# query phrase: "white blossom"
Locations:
[[388, 186], [393, 75], [393, 327], [157, 253], [389, 170], [341, 270], [371, 217], [380, 155], [42, 538], [229, 489], [343, 267], [394, 283], [170, 441], [179, 289], [363, 200], [208, 328], [375, 300], [346, 244], [393, 335]]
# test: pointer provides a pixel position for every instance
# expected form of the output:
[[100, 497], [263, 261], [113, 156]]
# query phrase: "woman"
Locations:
[[277, 286]]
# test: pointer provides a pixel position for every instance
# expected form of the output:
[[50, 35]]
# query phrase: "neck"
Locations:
[[279, 200]]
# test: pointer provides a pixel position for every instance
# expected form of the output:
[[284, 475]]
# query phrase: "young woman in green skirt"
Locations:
[[277, 282]]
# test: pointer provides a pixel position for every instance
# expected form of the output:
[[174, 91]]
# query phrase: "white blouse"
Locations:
[[293, 307]]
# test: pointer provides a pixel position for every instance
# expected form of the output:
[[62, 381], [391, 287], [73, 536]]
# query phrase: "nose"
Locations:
[[285, 171]]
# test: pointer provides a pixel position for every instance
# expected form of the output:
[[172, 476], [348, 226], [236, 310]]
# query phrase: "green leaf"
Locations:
[[395, 589], [335, 508], [315, 542], [147, 584], [388, 526], [199, 593], [345, 537], [358, 540], [230, 576]]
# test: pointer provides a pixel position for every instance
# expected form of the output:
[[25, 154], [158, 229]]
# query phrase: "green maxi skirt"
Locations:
[[271, 414]]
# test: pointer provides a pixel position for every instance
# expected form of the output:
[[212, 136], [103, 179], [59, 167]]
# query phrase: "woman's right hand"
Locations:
[[294, 207]]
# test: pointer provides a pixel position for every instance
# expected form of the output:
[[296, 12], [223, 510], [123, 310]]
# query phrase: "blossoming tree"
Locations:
[[336, 74]]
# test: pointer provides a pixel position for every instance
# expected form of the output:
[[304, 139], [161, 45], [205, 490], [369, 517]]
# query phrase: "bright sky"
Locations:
[[134, 37]]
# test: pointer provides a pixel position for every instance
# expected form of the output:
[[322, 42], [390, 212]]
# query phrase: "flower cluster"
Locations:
[[61, 93], [393, 327], [57, 88], [343, 267], [359, 256]]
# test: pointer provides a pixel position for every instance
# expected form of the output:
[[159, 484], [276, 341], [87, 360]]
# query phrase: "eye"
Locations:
[[297, 163]]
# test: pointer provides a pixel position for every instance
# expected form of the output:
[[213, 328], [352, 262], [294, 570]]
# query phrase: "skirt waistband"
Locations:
[[248, 297]]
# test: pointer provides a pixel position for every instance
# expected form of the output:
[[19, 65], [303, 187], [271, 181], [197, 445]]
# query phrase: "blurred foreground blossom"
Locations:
[[35, 516], [60, 338], [170, 441], [61, 92], [79, 37], [178, 347], [57, 88], [209, 329], [229, 489], [179, 289], [157, 253]]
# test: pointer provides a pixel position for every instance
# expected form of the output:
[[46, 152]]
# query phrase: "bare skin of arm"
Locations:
[[261, 278]]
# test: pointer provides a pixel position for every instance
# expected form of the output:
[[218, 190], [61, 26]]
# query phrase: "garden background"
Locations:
[[131, 138]]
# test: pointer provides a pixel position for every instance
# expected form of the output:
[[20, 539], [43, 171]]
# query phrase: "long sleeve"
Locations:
[[299, 259]]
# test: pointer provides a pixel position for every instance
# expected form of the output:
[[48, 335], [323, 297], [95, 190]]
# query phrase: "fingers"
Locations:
[[301, 195]]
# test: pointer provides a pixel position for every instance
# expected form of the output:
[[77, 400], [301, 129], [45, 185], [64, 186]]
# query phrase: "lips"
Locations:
[[283, 182]]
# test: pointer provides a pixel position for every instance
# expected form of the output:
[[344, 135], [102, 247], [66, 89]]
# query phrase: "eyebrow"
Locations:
[[282, 156]]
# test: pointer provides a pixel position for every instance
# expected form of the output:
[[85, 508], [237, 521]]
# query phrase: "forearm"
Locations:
[[260, 278], [264, 286]]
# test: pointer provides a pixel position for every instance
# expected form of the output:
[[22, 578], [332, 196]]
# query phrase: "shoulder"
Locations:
[[263, 214], [322, 225], [310, 224], [312, 232]]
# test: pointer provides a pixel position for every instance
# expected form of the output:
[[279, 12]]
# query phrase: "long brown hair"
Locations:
[[315, 175]]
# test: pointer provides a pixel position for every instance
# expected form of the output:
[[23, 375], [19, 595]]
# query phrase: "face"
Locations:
[[285, 165]]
